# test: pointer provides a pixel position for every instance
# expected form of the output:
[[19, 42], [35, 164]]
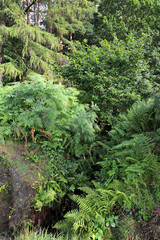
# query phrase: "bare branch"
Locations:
[[26, 10]]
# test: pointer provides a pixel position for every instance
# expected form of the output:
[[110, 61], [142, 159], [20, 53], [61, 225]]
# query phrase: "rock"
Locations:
[[13, 205], [5, 199], [20, 196], [4, 238]]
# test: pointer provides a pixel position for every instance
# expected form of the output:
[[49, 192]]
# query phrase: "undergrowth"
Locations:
[[114, 184], [127, 186], [35, 235]]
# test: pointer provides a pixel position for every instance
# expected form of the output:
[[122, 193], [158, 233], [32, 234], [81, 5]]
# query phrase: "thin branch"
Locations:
[[26, 10]]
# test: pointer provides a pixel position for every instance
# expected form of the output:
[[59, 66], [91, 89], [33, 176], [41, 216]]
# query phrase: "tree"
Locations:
[[137, 17], [1, 55], [128, 16], [67, 17], [27, 47], [2, 22], [113, 75]]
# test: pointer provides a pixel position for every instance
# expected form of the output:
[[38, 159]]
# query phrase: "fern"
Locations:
[[142, 118], [42, 108], [73, 220], [94, 210], [131, 166]]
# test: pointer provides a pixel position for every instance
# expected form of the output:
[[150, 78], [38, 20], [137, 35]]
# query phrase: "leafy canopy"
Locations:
[[113, 75]]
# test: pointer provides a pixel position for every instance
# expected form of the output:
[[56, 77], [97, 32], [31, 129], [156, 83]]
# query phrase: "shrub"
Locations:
[[36, 109]]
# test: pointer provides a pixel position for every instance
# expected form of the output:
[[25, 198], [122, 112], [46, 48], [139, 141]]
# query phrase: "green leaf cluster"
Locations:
[[127, 16], [132, 162], [128, 180], [113, 75], [37, 109]]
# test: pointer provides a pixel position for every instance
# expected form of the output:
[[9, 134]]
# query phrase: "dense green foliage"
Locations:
[[128, 16], [68, 17], [94, 140], [129, 178], [113, 75], [26, 47], [36, 108]]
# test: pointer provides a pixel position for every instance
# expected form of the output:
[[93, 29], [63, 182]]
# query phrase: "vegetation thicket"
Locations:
[[80, 88]]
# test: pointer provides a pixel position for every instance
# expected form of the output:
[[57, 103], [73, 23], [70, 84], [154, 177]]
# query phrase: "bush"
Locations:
[[36, 109], [113, 76]]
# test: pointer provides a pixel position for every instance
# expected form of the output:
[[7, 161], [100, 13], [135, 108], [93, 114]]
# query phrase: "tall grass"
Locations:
[[39, 235]]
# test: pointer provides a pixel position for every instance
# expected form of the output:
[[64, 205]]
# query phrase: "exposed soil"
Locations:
[[5, 200], [152, 227]]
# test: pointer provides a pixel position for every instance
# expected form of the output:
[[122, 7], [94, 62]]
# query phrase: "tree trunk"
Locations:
[[61, 48], [24, 76], [61, 43], [1, 60], [70, 39], [38, 14], [28, 13], [35, 16], [49, 26], [2, 22], [24, 4], [70, 36]]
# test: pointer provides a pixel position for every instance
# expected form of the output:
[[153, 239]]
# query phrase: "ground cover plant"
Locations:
[[56, 130], [41, 235], [31, 110], [128, 181]]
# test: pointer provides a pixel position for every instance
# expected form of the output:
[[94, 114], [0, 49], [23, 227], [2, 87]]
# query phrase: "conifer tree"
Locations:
[[27, 47], [2, 22], [67, 17], [1, 57]]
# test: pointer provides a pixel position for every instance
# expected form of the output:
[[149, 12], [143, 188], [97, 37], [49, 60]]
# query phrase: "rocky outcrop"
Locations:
[[17, 192], [5, 200], [20, 196]]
